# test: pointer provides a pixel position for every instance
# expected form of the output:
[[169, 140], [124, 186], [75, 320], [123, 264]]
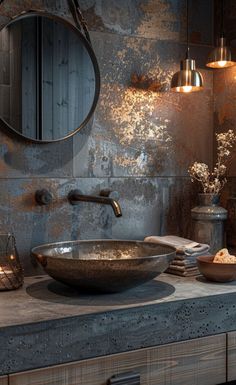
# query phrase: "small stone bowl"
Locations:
[[217, 272]]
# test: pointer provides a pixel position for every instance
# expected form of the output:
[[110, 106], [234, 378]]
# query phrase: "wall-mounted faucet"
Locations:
[[43, 197], [75, 196]]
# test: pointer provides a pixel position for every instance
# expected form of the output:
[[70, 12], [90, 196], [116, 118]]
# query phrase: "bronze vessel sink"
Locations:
[[104, 265]]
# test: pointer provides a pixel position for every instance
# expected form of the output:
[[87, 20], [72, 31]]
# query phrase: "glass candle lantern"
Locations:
[[11, 272]]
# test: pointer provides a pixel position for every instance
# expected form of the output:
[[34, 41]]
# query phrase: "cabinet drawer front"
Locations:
[[4, 380], [200, 361], [231, 361]]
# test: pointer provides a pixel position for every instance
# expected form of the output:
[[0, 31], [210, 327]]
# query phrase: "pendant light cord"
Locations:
[[222, 32], [187, 16]]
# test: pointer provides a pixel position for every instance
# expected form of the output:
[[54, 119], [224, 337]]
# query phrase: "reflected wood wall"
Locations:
[[48, 80]]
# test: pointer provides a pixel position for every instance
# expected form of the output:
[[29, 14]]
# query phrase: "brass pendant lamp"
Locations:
[[220, 57], [188, 79]]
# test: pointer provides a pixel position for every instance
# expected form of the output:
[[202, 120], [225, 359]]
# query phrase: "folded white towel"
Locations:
[[182, 245]]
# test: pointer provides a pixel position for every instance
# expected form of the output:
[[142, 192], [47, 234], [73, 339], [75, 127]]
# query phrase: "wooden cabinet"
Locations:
[[231, 354], [200, 361], [4, 380]]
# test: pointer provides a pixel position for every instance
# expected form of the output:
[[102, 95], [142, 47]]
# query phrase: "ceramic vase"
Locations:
[[208, 222], [231, 223]]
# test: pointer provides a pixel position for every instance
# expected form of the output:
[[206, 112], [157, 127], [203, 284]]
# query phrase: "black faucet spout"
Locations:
[[75, 196]]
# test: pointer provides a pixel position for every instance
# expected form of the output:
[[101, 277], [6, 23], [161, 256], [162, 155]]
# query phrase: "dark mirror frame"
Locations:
[[92, 55]]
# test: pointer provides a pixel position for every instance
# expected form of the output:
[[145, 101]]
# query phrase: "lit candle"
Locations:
[[4, 271]]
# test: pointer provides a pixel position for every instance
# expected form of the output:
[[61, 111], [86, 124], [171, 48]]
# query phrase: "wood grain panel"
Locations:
[[200, 361], [4, 380], [231, 352], [28, 65], [15, 78]]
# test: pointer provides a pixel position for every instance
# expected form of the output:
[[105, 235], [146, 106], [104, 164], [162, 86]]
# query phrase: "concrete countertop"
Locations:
[[46, 323]]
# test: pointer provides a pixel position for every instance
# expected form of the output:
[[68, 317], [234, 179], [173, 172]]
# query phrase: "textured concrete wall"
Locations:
[[140, 142]]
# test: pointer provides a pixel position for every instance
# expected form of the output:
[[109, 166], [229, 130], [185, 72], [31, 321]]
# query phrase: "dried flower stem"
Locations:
[[213, 182]]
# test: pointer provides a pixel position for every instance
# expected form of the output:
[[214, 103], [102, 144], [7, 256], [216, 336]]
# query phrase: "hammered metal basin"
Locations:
[[104, 265]]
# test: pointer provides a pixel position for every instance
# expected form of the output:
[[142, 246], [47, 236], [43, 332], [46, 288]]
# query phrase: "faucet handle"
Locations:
[[105, 192], [43, 197], [108, 193], [74, 196]]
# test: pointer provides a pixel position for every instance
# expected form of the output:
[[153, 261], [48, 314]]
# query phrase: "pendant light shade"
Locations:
[[188, 79], [220, 57]]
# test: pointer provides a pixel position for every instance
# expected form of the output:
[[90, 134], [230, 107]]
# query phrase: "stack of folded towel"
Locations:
[[185, 263]]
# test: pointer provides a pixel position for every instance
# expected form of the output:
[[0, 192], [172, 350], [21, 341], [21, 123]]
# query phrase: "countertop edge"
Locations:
[[63, 340]]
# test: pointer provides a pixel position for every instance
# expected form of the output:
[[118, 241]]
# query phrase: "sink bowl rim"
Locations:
[[38, 251], [110, 273]]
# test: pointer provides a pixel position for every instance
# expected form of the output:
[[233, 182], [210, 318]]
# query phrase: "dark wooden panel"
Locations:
[[4, 380], [201, 361], [15, 78], [76, 80], [29, 83], [60, 81], [5, 101], [5, 67], [4, 41], [231, 361], [47, 100]]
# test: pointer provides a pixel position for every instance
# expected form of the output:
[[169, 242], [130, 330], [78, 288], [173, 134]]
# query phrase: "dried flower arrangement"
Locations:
[[213, 182]]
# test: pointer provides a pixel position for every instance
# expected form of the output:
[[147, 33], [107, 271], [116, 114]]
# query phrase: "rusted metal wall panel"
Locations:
[[140, 132], [140, 142], [155, 19], [149, 206]]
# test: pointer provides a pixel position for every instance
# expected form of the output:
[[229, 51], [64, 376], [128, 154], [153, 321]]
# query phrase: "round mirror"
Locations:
[[49, 77]]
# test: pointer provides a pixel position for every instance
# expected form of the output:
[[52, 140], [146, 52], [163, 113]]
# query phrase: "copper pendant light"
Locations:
[[220, 57], [188, 79]]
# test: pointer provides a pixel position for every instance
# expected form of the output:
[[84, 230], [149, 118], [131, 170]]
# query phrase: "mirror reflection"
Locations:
[[47, 78]]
